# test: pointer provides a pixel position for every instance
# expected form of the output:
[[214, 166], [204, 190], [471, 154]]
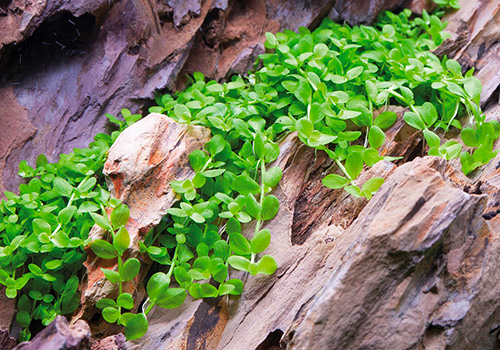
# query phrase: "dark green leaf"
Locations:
[[103, 249], [120, 215], [136, 327], [130, 269]]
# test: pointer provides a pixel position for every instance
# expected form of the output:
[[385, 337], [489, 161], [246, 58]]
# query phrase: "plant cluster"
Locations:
[[326, 85]]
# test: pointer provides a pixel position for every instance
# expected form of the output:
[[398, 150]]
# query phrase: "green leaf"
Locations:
[[354, 164], [130, 269], [414, 121], [105, 302], [213, 173], [267, 265], [225, 288], [41, 226], [11, 293], [353, 190], [238, 262], [110, 314], [470, 137], [354, 72], [88, 207], [66, 214], [216, 145], [101, 221], [320, 50], [303, 92], [428, 113], [260, 241], [259, 146], [103, 249], [376, 137], [432, 139], [473, 87], [171, 298], [371, 90], [120, 215], [136, 327], [237, 287], [304, 127], [23, 319], [157, 284], [202, 290], [252, 207], [112, 276], [53, 264], [121, 241], [335, 181], [62, 187], [271, 41], [198, 159], [386, 119], [373, 184], [270, 207], [239, 244], [125, 300], [371, 157], [347, 114], [35, 269], [244, 184]]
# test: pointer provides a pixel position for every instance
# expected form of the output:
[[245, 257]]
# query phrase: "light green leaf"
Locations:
[[354, 164], [260, 241], [267, 265], [335, 181], [376, 137]]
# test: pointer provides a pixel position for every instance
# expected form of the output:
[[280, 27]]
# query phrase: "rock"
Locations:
[[59, 335], [7, 310], [142, 162], [113, 342], [474, 42], [412, 259], [6, 341]]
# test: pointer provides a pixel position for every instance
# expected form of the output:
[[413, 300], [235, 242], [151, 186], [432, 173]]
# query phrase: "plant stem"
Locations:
[[169, 275], [261, 200], [120, 285]]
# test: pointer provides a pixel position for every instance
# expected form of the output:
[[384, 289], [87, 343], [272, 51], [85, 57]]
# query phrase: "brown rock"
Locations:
[[6, 341], [7, 310], [59, 335], [408, 271]]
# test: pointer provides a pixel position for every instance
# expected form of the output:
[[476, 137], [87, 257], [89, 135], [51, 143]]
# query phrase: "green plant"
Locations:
[[325, 85], [45, 227]]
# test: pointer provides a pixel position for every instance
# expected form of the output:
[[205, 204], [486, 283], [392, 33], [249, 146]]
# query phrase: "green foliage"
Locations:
[[43, 231], [325, 85]]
